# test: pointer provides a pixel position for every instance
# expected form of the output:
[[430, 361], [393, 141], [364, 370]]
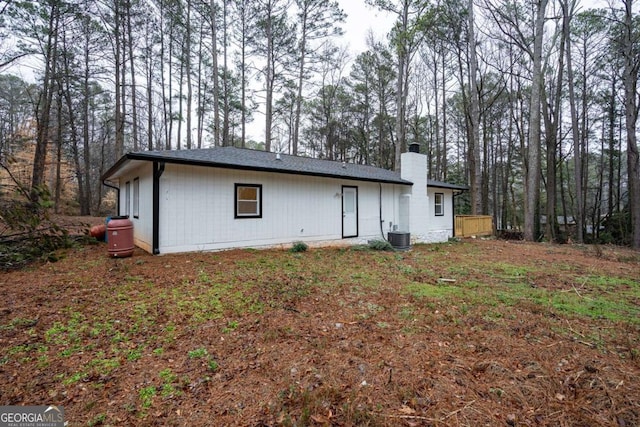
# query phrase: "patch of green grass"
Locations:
[[611, 284], [510, 274], [98, 420], [213, 365], [459, 270], [168, 388], [167, 375], [198, 353], [68, 335], [146, 396], [598, 307], [204, 278], [22, 348], [102, 365], [134, 354], [232, 325], [74, 378], [19, 322], [425, 290], [407, 313]]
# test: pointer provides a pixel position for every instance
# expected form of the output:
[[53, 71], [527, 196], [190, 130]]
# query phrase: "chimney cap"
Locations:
[[414, 147]]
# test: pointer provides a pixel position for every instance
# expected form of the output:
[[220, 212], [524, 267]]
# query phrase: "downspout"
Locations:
[[158, 169], [380, 213], [117, 195]]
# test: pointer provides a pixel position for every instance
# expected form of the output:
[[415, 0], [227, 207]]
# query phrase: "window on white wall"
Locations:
[[439, 204], [136, 198], [248, 201], [127, 197]]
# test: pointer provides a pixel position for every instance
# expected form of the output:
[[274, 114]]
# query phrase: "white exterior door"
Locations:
[[349, 211]]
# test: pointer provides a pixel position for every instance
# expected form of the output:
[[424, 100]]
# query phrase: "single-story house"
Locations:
[[226, 197]]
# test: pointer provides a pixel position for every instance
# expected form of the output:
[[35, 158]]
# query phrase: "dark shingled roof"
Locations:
[[240, 158], [440, 184], [245, 159]]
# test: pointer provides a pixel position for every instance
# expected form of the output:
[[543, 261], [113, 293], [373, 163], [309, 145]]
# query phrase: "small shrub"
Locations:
[[299, 247], [380, 245]]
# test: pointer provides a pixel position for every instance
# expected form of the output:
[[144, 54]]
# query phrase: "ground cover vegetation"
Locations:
[[479, 332]]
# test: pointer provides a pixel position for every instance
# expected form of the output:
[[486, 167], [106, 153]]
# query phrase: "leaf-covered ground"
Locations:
[[472, 333]]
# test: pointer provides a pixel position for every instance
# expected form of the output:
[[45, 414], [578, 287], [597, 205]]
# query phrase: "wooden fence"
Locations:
[[473, 225]]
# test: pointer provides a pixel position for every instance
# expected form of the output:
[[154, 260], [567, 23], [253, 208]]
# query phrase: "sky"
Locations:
[[360, 19]]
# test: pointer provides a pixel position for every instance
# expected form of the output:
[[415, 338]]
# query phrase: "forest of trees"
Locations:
[[532, 103]]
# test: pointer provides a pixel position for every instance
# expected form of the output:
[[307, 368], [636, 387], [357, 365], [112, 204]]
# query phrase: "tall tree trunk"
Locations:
[[166, 103], [444, 153], [474, 120], [301, 70], [58, 180], [270, 78], [180, 102], [437, 160], [631, 59], [199, 90], [225, 80], [132, 70], [243, 73], [612, 147], [46, 98], [149, 64], [533, 173], [578, 214], [402, 88], [551, 119], [65, 91], [216, 78], [86, 152], [119, 82], [187, 52]]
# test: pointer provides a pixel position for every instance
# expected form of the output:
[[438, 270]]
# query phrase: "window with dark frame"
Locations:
[[248, 201], [439, 204], [127, 198], [136, 197]]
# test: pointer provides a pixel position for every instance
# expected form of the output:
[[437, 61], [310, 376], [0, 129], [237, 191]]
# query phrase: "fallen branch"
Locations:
[[437, 420], [459, 410], [412, 417]]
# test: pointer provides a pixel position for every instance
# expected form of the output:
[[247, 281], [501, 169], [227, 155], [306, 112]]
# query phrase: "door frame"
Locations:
[[355, 188]]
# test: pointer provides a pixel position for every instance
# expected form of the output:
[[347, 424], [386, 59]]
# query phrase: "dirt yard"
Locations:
[[474, 333]]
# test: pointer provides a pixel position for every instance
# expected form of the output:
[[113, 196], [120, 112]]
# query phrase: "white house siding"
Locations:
[[197, 209], [440, 228], [142, 226]]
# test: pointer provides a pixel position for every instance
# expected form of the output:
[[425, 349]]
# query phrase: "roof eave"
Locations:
[[153, 158]]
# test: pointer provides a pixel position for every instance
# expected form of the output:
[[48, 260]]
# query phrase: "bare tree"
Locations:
[[475, 162], [411, 16], [274, 43], [631, 55], [50, 55], [318, 19]]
